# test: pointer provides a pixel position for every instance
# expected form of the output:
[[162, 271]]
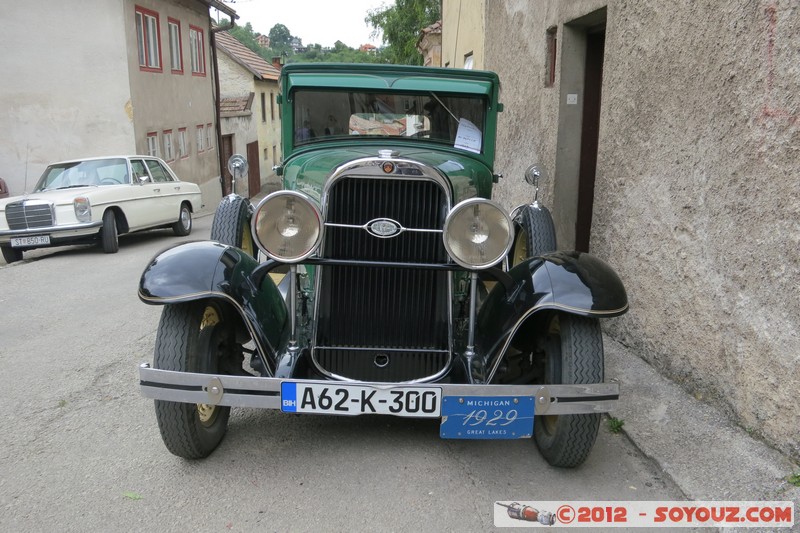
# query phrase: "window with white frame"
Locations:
[[175, 46], [183, 148], [166, 137], [152, 144], [197, 45], [201, 138], [209, 143], [148, 39]]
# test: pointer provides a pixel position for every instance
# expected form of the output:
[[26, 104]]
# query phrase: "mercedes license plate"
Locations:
[[346, 399], [34, 240], [487, 417]]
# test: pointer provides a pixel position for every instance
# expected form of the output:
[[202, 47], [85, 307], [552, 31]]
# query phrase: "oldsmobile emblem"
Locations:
[[384, 228]]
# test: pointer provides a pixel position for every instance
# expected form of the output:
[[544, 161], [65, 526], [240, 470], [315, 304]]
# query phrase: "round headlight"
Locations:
[[477, 233], [287, 226]]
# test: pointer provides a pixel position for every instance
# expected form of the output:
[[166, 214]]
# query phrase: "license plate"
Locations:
[[487, 417], [35, 240], [345, 399]]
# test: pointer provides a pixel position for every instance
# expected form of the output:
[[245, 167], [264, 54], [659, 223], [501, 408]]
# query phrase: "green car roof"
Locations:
[[395, 77]]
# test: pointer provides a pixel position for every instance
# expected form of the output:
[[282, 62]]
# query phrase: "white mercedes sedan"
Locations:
[[97, 200]]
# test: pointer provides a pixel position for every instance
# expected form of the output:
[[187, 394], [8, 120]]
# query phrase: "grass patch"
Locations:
[[615, 425], [794, 479]]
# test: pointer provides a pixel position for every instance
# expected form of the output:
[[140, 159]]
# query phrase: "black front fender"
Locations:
[[207, 269], [572, 282]]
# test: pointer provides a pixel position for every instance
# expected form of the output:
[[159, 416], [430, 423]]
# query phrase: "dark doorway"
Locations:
[[590, 130], [227, 152], [253, 172]]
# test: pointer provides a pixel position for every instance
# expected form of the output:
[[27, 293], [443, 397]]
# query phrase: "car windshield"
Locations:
[[325, 115], [96, 172]]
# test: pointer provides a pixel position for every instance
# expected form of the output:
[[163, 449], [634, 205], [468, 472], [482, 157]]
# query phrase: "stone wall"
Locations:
[[697, 198]]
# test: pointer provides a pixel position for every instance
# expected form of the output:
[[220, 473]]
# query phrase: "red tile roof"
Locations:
[[235, 105], [260, 68]]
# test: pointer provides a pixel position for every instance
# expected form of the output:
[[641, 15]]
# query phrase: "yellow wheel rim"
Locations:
[[520, 252], [247, 241], [205, 412]]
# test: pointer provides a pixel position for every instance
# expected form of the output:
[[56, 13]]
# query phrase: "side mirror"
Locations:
[[532, 175], [237, 166]]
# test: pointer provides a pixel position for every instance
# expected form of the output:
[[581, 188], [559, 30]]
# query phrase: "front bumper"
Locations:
[[56, 233], [265, 393]]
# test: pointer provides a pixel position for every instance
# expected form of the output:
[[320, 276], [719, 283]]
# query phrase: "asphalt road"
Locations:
[[81, 450]]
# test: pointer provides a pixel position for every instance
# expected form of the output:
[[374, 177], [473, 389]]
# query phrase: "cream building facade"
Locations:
[[137, 78], [464, 34], [250, 116]]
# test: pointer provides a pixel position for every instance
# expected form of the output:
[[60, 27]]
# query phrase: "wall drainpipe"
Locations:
[[212, 30]]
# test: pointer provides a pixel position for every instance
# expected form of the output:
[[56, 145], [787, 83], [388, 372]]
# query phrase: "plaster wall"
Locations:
[[696, 200], [63, 98], [465, 34], [234, 79], [168, 100], [269, 130], [264, 123]]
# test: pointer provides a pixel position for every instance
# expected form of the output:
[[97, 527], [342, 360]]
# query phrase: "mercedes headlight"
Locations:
[[477, 233], [287, 226], [83, 209]]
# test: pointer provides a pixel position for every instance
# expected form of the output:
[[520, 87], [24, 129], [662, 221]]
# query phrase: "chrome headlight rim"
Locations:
[[458, 208], [318, 216]]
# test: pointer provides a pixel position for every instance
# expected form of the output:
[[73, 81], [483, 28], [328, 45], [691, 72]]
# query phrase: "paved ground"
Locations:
[[694, 444], [81, 445]]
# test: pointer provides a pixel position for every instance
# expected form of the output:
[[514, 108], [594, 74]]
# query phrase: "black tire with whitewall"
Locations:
[[231, 224], [192, 337], [573, 354], [109, 238], [183, 226]]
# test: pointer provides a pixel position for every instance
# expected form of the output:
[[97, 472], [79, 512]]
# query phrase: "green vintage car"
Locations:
[[382, 279]]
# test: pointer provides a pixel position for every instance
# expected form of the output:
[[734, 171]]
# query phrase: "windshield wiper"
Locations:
[[74, 186]]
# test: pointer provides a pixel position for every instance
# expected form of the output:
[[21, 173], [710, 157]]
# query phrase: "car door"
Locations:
[[142, 210], [168, 190]]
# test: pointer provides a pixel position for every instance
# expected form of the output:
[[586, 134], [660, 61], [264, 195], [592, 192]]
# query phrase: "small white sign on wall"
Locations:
[[572, 99]]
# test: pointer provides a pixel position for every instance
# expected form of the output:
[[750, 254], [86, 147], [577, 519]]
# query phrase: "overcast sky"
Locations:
[[314, 21]]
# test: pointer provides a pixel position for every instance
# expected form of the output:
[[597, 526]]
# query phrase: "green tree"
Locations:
[[279, 36], [400, 25]]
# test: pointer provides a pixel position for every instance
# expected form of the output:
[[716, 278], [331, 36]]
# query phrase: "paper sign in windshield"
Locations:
[[468, 136]]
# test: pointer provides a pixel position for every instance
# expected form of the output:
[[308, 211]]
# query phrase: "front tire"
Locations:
[[11, 255], [231, 224], [108, 234], [573, 354], [183, 226], [193, 337]]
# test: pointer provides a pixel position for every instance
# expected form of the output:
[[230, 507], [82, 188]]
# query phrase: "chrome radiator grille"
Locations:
[[415, 204], [383, 323], [29, 215]]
